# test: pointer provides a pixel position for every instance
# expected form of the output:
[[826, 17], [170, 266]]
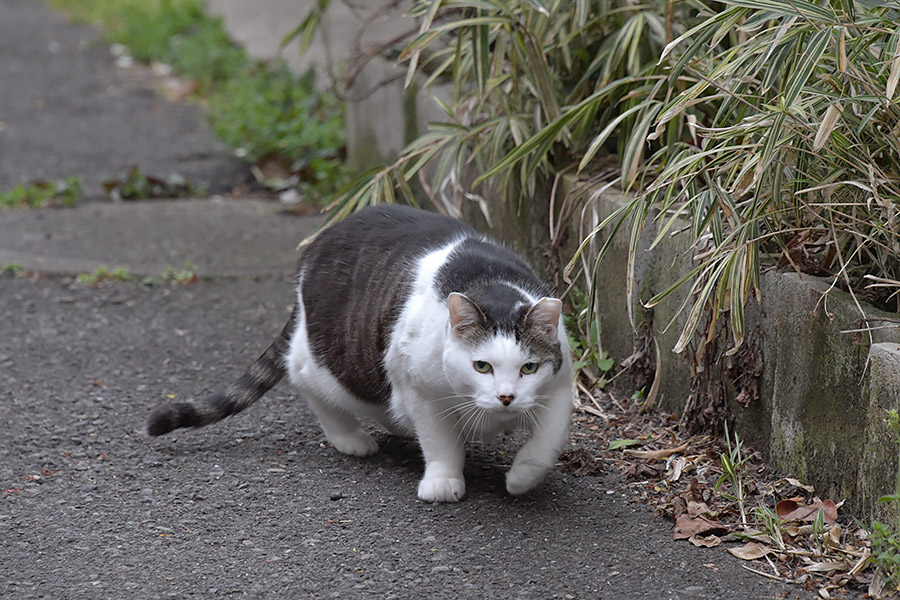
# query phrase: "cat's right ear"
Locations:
[[464, 314]]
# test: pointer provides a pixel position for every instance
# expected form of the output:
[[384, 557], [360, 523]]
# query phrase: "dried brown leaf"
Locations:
[[685, 526], [750, 551], [796, 483], [828, 566], [894, 77], [791, 510], [829, 122], [698, 509], [705, 541], [676, 467]]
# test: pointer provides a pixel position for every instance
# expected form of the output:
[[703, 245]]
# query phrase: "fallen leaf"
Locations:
[[750, 551], [686, 526], [826, 566], [705, 541], [790, 510], [675, 468], [656, 454], [616, 444], [642, 471], [796, 483], [876, 586], [579, 462], [696, 509]]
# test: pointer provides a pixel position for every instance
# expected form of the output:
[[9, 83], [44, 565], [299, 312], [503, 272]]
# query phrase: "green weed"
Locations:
[[771, 524], [732, 472], [102, 273], [11, 268], [885, 541], [184, 276], [272, 114], [137, 185], [65, 192], [584, 340]]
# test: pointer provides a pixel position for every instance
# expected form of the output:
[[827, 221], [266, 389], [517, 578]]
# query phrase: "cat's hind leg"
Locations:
[[342, 429]]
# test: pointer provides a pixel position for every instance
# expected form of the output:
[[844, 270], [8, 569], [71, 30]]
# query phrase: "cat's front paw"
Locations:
[[442, 489], [523, 478], [357, 443]]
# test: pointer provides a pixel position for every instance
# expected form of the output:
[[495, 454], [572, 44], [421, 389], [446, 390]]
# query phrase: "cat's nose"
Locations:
[[506, 400]]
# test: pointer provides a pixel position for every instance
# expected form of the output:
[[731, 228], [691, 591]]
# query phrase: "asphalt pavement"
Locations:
[[258, 506]]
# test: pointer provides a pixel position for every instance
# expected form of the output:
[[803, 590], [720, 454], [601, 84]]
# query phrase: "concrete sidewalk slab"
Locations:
[[219, 237], [67, 110]]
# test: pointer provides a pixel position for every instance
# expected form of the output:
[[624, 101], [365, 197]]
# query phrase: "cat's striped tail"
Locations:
[[265, 372]]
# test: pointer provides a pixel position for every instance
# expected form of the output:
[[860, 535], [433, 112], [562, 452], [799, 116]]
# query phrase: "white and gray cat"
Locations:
[[418, 322]]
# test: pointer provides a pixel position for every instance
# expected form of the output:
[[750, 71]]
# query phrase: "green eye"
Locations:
[[482, 366], [528, 368]]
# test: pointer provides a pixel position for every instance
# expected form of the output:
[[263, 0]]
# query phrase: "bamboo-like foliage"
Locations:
[[796, 149], [771, 126], [536, 84]]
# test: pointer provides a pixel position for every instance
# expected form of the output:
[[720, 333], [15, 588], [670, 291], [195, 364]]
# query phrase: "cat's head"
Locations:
[[503, 360]]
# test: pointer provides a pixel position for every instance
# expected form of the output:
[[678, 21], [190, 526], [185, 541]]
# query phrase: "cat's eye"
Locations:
[[482, 366], [528, 368]]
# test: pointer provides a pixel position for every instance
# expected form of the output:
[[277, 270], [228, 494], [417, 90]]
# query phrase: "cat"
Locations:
[[416, 321]]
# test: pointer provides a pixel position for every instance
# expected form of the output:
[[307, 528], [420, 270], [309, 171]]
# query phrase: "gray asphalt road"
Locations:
[[259, 506]]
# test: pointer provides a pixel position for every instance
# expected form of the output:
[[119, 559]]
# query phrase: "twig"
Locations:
[[764, 574]]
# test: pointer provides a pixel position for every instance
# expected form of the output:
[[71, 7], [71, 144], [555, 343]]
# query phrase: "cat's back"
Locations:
[[378, 240], [355, 278]]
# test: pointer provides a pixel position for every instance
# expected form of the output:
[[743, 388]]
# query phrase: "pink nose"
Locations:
[[506, 400]]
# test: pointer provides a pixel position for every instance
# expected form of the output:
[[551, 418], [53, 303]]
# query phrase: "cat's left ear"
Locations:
[[544, 315]]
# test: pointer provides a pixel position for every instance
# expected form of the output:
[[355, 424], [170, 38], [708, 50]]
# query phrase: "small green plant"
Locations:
[[273, 115], [732, 472], [770, 524], [65, 192], [102, 273], [584, 340], [265, 112], [184, 276], [137, 185], [885, 541], [179, 33], [12, 268]]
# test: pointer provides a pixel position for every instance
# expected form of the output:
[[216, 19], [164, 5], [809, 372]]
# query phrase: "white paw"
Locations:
[[357, 443], [442, 489], [522, 478]]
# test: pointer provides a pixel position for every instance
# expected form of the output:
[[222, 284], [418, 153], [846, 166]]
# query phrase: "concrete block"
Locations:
[[654, 271], [812, 382], [879, 457]]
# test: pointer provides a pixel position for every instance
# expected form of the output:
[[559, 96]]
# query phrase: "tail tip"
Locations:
[[169, 417]]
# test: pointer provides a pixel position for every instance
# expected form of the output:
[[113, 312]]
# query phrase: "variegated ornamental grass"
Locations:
[[770, 126], [794, 151]]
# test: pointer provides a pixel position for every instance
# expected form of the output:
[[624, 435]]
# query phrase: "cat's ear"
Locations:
[[544, 315], [464, 314]]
